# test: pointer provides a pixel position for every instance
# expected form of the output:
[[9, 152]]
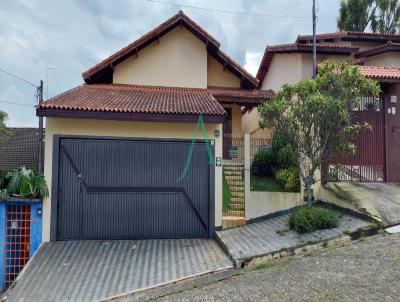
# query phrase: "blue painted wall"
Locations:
[[36, 227], [35, 231]]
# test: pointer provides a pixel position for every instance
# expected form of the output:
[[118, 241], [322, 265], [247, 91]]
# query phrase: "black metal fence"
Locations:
[[233, 148]]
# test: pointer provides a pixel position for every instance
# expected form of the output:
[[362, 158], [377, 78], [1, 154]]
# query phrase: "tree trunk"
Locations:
[[308, 192]]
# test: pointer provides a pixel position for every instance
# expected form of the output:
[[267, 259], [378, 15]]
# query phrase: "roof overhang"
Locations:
[[102, 72], [325, 49], [123, 116]]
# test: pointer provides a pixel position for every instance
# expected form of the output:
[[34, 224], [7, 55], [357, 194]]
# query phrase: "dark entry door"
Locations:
[[130, 189], [392, 121]]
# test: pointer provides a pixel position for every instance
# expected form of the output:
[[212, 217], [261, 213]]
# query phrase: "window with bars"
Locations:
[[17, 241]]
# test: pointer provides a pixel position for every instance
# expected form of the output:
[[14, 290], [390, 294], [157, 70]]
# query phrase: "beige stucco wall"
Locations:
[[218, 77], [236, 117], [179, 59], [125, 129], [284, 68], [306, 62], [390, 59]]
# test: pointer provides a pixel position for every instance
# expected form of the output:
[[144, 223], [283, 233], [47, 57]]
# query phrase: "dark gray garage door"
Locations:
[[129, 189]]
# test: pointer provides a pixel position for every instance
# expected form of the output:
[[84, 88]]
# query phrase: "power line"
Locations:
[[227, 11], [17, 77], [15, 103]]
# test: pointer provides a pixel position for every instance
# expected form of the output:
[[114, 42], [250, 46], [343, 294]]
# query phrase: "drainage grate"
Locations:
[[17, 241]]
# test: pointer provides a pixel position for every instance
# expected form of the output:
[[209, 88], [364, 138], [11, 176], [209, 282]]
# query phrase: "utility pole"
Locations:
[[314, 18], [40, 100]]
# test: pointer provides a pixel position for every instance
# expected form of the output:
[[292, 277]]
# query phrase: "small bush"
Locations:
[[309, 218], [282, 152], [264, 157], [263, 163], [290, 179]]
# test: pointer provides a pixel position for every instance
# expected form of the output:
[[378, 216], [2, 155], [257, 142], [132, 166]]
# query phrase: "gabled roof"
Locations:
[[322, 48], [155, 103], [381, 74], [351, 36], [384, 48], [102, 72], [20, 149]]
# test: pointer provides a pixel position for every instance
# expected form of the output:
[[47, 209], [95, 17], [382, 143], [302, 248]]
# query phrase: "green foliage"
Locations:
[[313, 115], [282, 152], [386, 17], [355, 15], [265, 157], [26, 183], [382, 16], [226, 195], [290, 179], [308, 219], [4, 132], [265, 184]]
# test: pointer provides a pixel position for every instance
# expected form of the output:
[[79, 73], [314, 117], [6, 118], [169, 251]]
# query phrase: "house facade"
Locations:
[[377, 56], [136, 151]]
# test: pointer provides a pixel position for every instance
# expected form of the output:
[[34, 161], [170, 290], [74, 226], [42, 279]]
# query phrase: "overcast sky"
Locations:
[[73, 35]]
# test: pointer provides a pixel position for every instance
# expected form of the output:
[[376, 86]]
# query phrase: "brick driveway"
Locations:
[[365, 270]]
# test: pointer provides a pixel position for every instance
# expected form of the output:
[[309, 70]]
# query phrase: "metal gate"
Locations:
[[130, 189], [17, 241], [368, 163]]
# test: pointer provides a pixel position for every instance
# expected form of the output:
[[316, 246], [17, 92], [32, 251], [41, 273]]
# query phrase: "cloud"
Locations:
[[74, 35]]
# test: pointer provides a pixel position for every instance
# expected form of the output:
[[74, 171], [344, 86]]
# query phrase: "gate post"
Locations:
[[247, 170]]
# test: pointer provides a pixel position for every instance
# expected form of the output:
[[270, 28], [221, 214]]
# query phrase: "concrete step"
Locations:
[[232, 222], [235, 182], [228, 173], [235, 213], [233, 177], [237, 194], [233, 168], [237, 200], [237, 206], [236, 189]]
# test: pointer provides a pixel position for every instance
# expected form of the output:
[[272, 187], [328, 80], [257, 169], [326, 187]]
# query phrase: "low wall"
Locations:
[[259, 204]]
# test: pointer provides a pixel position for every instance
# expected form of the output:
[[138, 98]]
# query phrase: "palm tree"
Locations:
[[386, 19], [355, 15]]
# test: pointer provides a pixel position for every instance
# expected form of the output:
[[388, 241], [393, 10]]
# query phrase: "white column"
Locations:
[[247, 167]]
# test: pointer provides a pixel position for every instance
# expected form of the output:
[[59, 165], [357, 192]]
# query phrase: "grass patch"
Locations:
[[226, 195], [309, 218], [269, 264], [265, 184]]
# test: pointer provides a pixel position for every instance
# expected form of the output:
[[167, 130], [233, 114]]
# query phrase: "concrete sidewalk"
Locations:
[[96, 270], [273, 235], [378, 199]]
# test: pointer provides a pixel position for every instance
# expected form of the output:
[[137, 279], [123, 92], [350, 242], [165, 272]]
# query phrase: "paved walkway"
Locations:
[[93, 270], [273, 235], [377, 198], [365, 270]]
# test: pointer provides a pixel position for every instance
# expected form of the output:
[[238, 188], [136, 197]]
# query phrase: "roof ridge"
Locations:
[[213, 45]]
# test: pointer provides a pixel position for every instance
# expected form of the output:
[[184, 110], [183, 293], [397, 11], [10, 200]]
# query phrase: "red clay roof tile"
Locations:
[[122, 98], [380, 73]]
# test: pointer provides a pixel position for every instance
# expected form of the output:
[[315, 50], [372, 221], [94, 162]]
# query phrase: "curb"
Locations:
[[307, 247]]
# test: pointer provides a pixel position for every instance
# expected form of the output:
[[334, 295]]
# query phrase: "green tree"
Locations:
[[355, 15], [314, 115], [4, 132], [386, 17]]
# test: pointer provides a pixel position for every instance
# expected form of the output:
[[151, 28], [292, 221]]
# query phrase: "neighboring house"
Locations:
[[20, 149], [378, 57], [119, 159]]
